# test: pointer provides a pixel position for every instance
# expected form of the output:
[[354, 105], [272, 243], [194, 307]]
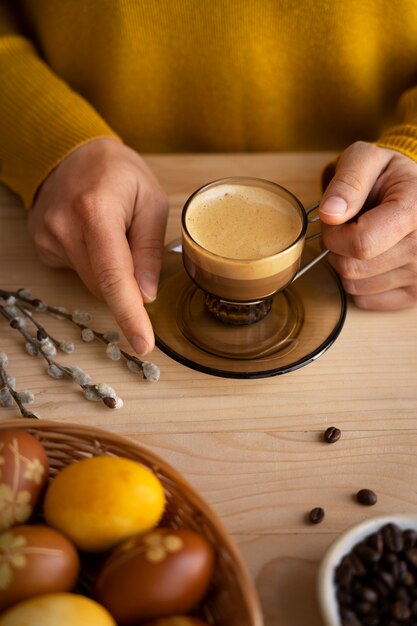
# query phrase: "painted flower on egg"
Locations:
[[23, 473], [158, 546], [15, 507], [11, 556], [34, 470]]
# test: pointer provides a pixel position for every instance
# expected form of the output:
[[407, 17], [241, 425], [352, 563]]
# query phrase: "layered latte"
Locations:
[[242, 238]]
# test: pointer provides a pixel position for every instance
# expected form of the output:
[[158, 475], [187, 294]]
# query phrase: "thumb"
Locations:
[[357, 171]]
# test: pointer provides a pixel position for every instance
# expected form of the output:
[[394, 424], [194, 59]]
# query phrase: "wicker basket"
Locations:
[[231, 599]]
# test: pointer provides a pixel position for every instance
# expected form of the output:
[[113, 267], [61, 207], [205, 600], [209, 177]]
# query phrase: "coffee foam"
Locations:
[[242, 222]]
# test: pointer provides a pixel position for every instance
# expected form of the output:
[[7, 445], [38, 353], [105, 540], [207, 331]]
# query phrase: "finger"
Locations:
[[375, 232], [79, 261], [356, 173], [112, 271], [403, 254], [146, 238], [401, 277], [401, 298]]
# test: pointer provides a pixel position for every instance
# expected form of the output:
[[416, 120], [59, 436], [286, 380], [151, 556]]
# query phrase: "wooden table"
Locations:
[[253, 448]]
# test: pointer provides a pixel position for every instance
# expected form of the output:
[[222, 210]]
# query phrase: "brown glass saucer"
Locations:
[[304, 321]]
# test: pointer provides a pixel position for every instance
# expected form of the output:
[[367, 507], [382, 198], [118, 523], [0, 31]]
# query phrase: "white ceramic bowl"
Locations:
[[343, 545]]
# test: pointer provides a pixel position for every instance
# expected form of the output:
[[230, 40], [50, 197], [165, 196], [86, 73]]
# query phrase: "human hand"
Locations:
[[102, 212], [375, 254]]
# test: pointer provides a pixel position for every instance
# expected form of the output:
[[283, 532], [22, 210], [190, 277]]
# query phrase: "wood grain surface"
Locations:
[[253, 448]]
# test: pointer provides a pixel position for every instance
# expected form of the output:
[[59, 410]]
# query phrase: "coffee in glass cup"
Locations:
[[242, 241]]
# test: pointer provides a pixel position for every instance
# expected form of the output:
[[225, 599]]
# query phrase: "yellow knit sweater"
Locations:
[[195, 75]]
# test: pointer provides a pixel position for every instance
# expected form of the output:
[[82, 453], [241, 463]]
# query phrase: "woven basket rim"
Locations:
[[108, 437]]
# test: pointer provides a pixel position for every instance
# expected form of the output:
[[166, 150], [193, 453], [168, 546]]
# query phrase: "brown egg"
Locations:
[[164, 572], [176, 620], [23, 474], [35, 560]]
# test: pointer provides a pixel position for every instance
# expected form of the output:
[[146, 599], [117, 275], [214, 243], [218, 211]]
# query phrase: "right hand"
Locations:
[[369, 223], [102, 212]]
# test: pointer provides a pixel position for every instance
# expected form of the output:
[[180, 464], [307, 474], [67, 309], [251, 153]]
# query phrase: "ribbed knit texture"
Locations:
[[403, 136], [238, 75]]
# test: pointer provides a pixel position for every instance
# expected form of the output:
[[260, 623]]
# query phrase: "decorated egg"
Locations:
[[57, 609], [23, 475], [100, 501], [35, 560], [163, 572], [176, 620]]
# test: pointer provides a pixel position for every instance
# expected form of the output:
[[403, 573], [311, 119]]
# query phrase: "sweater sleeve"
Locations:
[[403, 136], [42, 119]]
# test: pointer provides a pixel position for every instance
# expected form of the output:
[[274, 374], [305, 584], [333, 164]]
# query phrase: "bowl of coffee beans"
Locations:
[[368, 576]]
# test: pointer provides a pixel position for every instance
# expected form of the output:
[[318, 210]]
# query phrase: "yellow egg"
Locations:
[[57, 609], [99, 501]]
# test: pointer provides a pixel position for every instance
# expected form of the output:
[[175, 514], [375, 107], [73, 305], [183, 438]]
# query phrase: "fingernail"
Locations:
[[140, 345], [148, 284], [334, 206]]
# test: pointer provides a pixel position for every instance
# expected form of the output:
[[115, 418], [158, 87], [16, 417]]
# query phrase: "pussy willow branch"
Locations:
[[149, 370], [4, 383], [41, 330], [102, 392], [28, 337]]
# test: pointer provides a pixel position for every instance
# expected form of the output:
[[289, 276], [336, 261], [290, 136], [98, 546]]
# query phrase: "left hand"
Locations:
[[375, 253]]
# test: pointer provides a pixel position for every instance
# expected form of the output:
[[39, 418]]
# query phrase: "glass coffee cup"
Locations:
[[242, 242]]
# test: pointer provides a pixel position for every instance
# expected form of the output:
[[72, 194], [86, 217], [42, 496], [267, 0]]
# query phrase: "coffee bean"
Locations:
[[332, 434], [372, 620], [393, 537], [350, 621], [411, 556], [387, 579], [366, 497], [363, 608], [344, 597], [316, 515], [401, 593], [410, 538], [344, 575], [399, 570], [358, 566], [349, 618], [389, 557], [367, 554], [376, 541], [400, 611], [381, 588], [369, 595], [413, 608]]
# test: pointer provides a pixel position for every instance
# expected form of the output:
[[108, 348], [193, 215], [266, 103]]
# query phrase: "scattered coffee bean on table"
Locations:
[[376, 582], [316, 515], [366, 497], [332, 434]]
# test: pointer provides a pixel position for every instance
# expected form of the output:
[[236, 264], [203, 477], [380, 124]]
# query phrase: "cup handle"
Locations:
[[321, 256]]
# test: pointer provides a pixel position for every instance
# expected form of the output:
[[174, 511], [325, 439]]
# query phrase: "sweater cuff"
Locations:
[[402, 138], [42, 119]]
